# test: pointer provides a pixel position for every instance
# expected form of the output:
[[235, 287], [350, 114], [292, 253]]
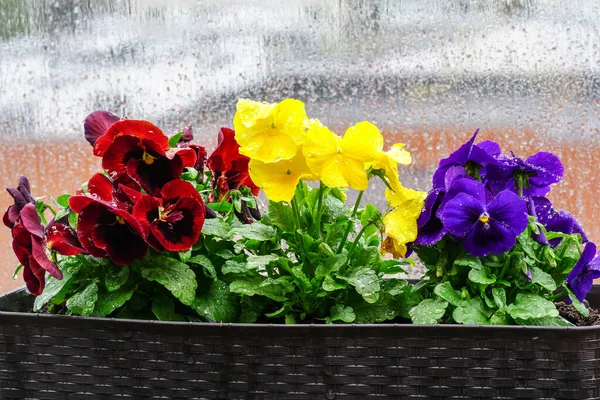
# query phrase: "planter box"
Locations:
[[61, 357]]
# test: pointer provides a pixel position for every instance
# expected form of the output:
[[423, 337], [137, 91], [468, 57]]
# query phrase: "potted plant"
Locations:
[[209, 298]]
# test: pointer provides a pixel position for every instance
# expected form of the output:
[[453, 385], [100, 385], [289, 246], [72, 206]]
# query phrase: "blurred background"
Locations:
[[428, 73]]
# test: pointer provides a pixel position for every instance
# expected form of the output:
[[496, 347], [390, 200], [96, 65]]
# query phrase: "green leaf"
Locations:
[[546, 321], [333, 208], [385, 309], [482, 275], [281, 216], [301, 279], [471, 262], [174, 275], [333, 264], [543, 279], [222, 207], [116, 277], [61, 213], [16, 272], [217, 227], [447, 292], [235, 267], [472, 312], [219, 304], [63, 201], [83, 303], [173, 140], [206, 264], [366, 283], [369, 214], [529, 305], [255, 231], [184, 256], [579, 306], [73, 220], [268, 287], [164, 310], [390, 267], [109, 302], [395, 286], [260, 261], [339, 312], [428, 311], [279, 313], [500, 317], [330, 284], [52, 288], [499, 295], [190, 174]]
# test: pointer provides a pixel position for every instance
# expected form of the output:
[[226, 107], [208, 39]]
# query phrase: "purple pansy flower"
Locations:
[[22, 196], [581, 278], [555, 221], [482, 155], [484, 227], [534, 175]]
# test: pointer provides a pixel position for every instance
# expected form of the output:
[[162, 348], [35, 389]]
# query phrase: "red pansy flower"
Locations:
[[61, 238], [230, 168], [97, 123], [30, 248], [174, 221], [22, 196], [130, 127], [104, 229]]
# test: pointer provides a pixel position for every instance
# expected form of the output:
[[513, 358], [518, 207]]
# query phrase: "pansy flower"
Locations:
[[105, 230], [269, 132], [129, 127], [173, 221], [97, 123], [29, 245], [401, 223], [146, 162], [229, 167], [581, 278], [341, 162], [279, 179], [21, 196], [531, 177], [556, 221], [485, 227]]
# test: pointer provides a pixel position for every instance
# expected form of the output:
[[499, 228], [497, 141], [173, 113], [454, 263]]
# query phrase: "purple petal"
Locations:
[[431, 229], [489, 238], [97, 123], [454, 173], [510, 210], [31, 221], [25, 189], [187, 136], [458, 157], [548, 167], [490, 147], [461, 214], [587, 255], [466, 185], [38, 251], [18, 197]]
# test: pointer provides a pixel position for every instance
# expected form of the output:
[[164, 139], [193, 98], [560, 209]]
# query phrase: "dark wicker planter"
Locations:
[[60, 357]]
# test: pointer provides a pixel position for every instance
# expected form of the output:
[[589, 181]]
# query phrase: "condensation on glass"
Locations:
[[428, 73]]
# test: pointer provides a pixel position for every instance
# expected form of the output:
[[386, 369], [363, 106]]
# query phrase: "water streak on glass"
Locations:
[[428, 73]]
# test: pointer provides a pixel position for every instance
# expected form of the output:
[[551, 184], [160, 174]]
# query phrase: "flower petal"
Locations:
[[97, 123], [510, 210], [489, 238], [39, 253], [31, 221], [270, 146], [461, 214], [362, 142], [100, 187], [401, 225], [320, 147], [184, 233], [63, 239], [129, 127], [35, 277], [289, 117]]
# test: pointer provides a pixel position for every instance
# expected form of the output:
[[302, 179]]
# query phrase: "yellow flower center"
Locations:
[[288, 172], [484, 218], [120, 220], [148, 159], [162, 215]]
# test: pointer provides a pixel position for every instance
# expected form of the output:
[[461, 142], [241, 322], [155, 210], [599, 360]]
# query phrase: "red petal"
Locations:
[[179, 189], [187, 155], [88, 218], [183, 234], [38, 251], [10, 216], [139, 129], [120, 152], [100, 187], [123, 246], [97, 123], [21, 244], [152, 177], [35, 277], [31, 221], [63, 239], [145, 212]]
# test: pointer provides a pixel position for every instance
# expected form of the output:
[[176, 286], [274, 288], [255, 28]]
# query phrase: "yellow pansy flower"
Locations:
[[279, 179], [269, 132], [401, 223], [341, 162], [389, 160]]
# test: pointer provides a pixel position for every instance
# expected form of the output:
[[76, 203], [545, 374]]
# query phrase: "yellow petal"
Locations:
[[320, 147], [289, 117], [398, 154], [390, 246], [354, 173], [332, 172], [269, 146], [250, 118], [401, 225], [404, 195], [362, 142]]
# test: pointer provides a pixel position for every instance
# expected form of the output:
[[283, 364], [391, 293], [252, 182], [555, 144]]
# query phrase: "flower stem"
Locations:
[[319, 210], [558, 295], [350, 223], [356, 239], [296, 213]]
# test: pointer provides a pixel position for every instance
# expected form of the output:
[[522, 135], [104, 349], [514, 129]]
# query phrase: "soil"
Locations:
[[568, 312]]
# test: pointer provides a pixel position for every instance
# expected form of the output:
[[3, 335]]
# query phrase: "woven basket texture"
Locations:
[[61, 357]]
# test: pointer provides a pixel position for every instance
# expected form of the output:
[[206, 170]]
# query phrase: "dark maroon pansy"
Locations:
[[106, 231], [97, 123], [146, 162], [229, 167], [21, 196], [173, 221], [130, 127]]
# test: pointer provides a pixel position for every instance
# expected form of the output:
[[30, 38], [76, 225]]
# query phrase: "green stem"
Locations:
[[503, 271], [350, 223], [319, 210], [356, 241], [296, 213], [562, 293]]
